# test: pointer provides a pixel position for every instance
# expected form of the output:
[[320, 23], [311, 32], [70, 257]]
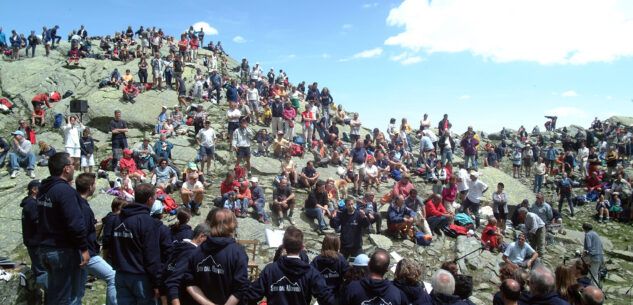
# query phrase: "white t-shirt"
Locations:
[[235, 112], [119, 183], [190, 187], [476, 190], [463, 174], [583, 154], [431, 135], [355, 130], [252, 94], [206, 136], [370, 170], [447, 143]]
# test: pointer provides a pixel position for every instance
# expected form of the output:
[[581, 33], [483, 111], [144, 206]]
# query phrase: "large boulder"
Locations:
[[514, 188]]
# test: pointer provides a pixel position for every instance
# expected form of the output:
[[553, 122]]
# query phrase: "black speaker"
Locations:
[[79, 106]]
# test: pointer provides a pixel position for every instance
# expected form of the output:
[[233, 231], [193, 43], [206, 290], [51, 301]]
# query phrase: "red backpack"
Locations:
[[240, 172], [168, 203], [104, 164], [296, 150], [55, 97]]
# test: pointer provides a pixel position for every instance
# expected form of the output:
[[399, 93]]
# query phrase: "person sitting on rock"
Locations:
[[164, 176], [162, 118], [280, 145], [37, 117], [123, 186], [436, 215], [263, 142], [283, 201], [594, 183], [115, 78], [243, 199], [144, 154], [258, 201], [177, 117], [400, 218], [491, 237], [129, 92], [316, 205], [21, 155], [128, 162], [46, 152], [309, 175], [163, 148], [289, 170], [228, 184], [192, 193]]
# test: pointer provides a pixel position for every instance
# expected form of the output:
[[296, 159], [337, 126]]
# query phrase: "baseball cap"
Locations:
[[32, 184], [127, 151], [361, 260], [280, 132], [254, 180], [157, 208], [475, 174], [18, 132]]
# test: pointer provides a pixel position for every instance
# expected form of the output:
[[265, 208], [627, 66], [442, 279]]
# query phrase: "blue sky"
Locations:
[[487, 63]]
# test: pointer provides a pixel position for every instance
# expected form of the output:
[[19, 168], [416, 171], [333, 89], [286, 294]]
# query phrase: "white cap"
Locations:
[[254, 180], [475, 174]]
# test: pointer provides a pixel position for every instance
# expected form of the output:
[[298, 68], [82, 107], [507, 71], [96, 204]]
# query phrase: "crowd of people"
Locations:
[[142, 260]]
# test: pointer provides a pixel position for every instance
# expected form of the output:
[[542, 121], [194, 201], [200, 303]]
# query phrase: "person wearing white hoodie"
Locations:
[[72, 133]]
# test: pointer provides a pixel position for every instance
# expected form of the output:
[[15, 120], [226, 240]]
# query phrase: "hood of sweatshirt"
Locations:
[[133, 209], [411, 291], [379, 287], [215, 244], [49, 183], [294, 266]]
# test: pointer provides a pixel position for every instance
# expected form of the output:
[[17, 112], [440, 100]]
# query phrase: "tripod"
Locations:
[[481, 249]]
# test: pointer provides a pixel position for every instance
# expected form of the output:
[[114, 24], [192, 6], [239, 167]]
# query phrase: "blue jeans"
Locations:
[[325, 112], [259, 206], [41, 276], [447, 156], [134, 289], [3, 156], [471, 160], [560, 203], [538, 183], [103, 271], [242, 204], [64, 275], [318, 214], [17, 161]]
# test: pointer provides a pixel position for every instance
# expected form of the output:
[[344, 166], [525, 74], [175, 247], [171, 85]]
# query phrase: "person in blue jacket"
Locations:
[[29, 230], [135, 250], [106, 229], [177, 265], [290, 280], [181, 230], [165, 241], [217, 271], [407, 278], [352, 221], [231, 92], [85, 185], [374, 289], [331, 264], [61, 232], [399, 217], [444, 288]]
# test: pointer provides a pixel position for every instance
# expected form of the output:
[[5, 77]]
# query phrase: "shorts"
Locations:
[[88, 161], [516, 165], [233, 126], [182, 53], [254, 105], [354, 137], [243, 152], [146, 43], [359, 169], [464, 192], [207, 151], [528, 162], [182, 93], [73, 152], [500, 215], [156, 73]]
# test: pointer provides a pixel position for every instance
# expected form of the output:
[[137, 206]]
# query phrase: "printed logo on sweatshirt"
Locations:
[[211, 267], [329, 273], [375, 301], [45, 202], [123, 232], [285, 285]]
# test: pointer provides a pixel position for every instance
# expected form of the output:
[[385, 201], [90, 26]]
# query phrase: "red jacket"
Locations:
[[42, 98], [432, 210], [225, 188]]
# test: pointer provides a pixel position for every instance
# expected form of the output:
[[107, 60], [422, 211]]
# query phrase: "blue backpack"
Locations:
[[59, 118]]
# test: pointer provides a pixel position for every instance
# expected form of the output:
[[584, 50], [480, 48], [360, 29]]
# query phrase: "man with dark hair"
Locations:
[[374, 289], [29, 231], [241, 143], [61, 234], [291, 280], [316, 205], [217, 270], [178, 263], [352, 221], [118, 128], [309, 175], [85, 185], [510, 292], [368, 204], [135, 250]]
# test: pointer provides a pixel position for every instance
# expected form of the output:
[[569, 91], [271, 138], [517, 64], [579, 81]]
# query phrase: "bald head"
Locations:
[[379, 263], [510, 290], [592, 295]]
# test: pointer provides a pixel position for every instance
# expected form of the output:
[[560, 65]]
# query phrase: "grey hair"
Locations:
[[443, 282], [523, 210], [541, 281], [203, 229]]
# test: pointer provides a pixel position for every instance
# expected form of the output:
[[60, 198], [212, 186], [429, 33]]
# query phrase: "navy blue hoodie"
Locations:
[[180, 232], [332, 270], [61, 221], [29, 221], [89, 218], [290, 281], [351, 228], [135, 246], [414, 294], [176, 267], [446, 299], [373, 291], [166, 245], [552, 298], [220, 268], [302, 254]]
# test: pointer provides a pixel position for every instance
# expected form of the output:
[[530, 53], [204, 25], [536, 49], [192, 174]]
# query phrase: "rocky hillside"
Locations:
[[21, 80]]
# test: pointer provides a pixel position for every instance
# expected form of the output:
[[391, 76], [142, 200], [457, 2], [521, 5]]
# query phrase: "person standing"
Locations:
[[540, 169], [374, 289], [351, 221], [215, 84], [277, 108], [564, 192], [354, 129], [62, 233], [476, 190], [72, 133], [241, 143], [500, 206], [33, 41], [535, 228], [206, 138], [118, 128], [470, 144], [357, 159], [592, 252], [135, 250], [85, 185], [29, 231]]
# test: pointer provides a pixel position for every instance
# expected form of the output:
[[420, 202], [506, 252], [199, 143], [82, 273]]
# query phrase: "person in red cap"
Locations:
[[129, 163]]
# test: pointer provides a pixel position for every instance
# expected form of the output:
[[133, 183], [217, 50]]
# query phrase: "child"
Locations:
[[181, 230], [232, 204], [263, 141], [266, 116], [616, 206], [87, 146], [117, 204], [46, 151], [123, 186]]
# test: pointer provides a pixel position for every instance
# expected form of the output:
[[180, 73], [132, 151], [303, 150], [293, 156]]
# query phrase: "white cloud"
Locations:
[[239, 39], [347, 26], [208, 30], [609, 97], [564, 111], [411, 60], [325, 55], [570, 93], [365, 54], [370, 5], [464, 97], [543, 31]]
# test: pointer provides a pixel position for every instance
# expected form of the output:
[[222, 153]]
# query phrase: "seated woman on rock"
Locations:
[[129, 163]]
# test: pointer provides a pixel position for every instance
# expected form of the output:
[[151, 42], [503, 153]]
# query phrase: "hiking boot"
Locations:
[[195, 211], [281, 224], [292, 221], [14, 174], [250, 175], [30, 173], [261, 219]]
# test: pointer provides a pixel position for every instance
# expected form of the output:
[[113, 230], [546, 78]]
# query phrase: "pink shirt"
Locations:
[[450, 193]]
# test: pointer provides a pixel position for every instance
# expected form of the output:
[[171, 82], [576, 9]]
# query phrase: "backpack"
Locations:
[[5, 105], [299, 140], [240, 172], [297, 150], [67, 94], [105, 164], [423, 239], [395, 175], [55, 97], [168, 203], [463, 219], [59, 118]]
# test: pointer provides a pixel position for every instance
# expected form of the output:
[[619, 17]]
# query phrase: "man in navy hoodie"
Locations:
[[374, 289], [290, 280], [135, 250], [177, 265], [352, 222], [217, 271], [542, 289], [443, 284], [61, 234], [29, 230]]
